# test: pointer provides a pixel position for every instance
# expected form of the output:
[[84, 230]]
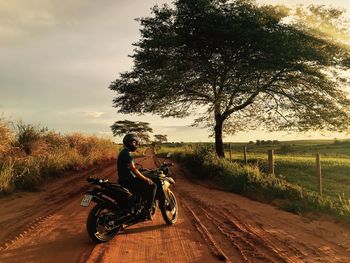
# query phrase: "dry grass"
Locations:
[[6, 137], [30, 155]]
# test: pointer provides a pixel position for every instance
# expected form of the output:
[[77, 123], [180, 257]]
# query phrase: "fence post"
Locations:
[[318, 173], [271, 162], [245, 154], [229, 147]]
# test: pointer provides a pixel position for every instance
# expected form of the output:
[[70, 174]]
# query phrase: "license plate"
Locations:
[[86, 200]]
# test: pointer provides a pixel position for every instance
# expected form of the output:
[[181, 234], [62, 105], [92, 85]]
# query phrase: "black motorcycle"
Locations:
[[117, 208]]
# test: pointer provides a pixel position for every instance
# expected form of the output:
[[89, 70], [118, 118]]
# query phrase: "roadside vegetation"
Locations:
[[293, 188], [30, 155], [295, 162]]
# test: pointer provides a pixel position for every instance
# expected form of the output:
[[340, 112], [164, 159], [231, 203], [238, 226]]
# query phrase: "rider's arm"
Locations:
[[138, 174]]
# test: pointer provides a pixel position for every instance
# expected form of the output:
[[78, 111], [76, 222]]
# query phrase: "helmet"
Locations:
[[128, 139]]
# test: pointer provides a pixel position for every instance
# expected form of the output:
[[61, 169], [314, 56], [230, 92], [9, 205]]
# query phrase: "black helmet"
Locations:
[[128, 139]]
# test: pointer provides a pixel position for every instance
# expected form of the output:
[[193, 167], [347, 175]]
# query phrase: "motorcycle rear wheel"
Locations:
[[169, 212], [97, 231]]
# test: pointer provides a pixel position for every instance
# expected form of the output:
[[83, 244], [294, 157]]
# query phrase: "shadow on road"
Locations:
[[143, 229]]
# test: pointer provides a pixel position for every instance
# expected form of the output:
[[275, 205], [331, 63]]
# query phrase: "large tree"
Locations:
[[241, 65], [141, 129]]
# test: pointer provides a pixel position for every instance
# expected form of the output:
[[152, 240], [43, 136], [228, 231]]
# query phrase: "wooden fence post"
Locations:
[[271, 162], [245, 154], [318, 173], [229, 147]]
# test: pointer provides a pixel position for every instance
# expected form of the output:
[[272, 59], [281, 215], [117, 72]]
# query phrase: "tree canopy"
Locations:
[[242, 65], [160, 138], [124, 127]]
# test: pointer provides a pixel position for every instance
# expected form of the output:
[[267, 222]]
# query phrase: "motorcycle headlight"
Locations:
[[166, 183]]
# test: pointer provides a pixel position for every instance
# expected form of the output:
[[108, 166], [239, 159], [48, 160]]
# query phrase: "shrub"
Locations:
[[28, 137], [34, 154], [285, 148], [55, 140], [6, 137], [7, 173]]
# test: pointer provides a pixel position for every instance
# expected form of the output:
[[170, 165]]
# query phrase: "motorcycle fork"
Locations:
[[166, 196]]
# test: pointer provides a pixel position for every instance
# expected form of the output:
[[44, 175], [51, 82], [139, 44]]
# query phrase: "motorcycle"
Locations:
[[117, 208]]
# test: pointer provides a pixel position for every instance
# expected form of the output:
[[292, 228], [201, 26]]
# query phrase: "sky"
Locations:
[[58, 57]]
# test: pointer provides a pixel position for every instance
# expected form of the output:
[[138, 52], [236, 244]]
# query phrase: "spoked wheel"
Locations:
[[169, 209], [100, 224]]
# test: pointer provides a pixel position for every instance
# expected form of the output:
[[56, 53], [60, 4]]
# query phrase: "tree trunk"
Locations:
[[219, 146]]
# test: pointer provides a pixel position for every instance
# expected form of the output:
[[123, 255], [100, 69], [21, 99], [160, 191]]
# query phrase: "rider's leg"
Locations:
[[152, 190]]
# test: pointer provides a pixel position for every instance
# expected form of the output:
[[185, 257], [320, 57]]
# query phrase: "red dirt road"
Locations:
[[213, 226]]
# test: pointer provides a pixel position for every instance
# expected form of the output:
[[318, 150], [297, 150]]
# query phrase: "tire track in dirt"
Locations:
[[276, 243], [27, 218], [254, 245], [229, 236], [237, 233]]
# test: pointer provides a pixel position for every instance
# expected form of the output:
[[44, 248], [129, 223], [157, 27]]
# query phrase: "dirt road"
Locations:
[[213, 226]]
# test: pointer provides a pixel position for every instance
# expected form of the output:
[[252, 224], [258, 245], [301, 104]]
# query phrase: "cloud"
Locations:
[[179, 127], [21, 20], [94, 114]]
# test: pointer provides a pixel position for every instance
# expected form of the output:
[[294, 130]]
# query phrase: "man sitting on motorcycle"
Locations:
[[131, 178]]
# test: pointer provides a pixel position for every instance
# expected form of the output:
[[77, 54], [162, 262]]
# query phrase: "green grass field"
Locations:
[[294, 182], [296, 162]]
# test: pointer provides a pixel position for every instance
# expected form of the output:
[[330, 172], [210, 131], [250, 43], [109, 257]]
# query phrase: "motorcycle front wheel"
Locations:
[[169, 209], [98, 226]]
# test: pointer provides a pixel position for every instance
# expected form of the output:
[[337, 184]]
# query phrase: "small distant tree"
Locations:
[[160, 138], [140, 128]]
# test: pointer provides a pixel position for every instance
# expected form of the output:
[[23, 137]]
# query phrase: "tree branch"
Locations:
[[277, 105], [251, 98], [198, 94]]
